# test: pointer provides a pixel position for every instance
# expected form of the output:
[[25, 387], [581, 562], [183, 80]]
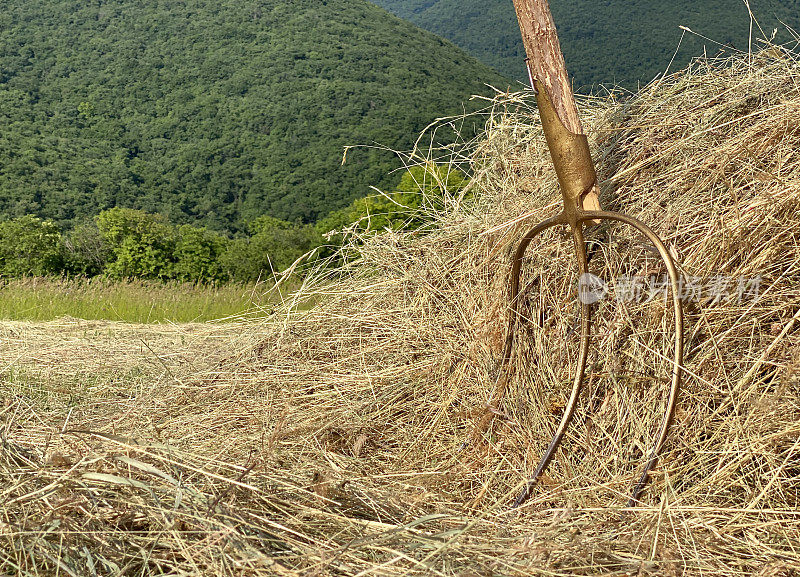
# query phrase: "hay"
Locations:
[[344, 440]]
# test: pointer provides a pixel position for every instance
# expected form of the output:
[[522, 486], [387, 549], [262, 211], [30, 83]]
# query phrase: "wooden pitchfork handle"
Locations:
[[548, 71]]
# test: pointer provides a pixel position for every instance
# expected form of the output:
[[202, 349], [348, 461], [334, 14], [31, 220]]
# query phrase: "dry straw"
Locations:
[[353, 438]]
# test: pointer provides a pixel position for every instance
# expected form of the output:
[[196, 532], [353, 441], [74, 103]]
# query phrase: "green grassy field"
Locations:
[[43, 299]]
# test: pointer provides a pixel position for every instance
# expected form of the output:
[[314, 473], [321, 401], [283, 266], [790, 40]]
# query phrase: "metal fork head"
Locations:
[[580, 369], [577, 176]]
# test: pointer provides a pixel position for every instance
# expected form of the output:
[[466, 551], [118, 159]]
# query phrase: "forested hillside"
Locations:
[[610, 41], [212, 111]]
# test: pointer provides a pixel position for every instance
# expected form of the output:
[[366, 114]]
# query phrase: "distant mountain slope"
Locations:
[[217, 110], [622, 41]]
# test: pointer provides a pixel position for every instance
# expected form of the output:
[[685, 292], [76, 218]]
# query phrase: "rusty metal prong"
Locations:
[[677, 361], [580, 374]]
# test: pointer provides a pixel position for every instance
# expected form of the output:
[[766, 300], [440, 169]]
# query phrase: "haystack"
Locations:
[[344, 439]]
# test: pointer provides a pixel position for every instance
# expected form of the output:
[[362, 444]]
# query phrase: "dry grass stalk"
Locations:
[[331, 441]]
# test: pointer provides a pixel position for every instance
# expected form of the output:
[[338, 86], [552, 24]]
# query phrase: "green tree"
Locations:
[[273, 246], [113, 103], [597, 48], [423, 191], [426, 190], [142, 244], [30, 246], [86, 252], [197, 255]]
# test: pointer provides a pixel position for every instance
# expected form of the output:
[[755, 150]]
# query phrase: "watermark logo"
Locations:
[[591, 289], [715, 290]]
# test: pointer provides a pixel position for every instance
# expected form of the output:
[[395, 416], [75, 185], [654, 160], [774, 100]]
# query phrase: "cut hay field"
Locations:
[[358, 437]]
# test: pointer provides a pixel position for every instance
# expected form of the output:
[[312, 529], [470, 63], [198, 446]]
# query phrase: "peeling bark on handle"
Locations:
[[547, 66], [546, 60]]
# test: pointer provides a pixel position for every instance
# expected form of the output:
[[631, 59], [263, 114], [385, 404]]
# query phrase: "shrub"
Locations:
[[142, 244], [273, 245], [422, 192], [197, 255], [86, 252], [30, 246]]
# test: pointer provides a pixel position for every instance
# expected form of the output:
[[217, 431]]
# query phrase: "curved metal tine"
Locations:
[[580, 373], [513, 313], [677, 363], [516, 270]]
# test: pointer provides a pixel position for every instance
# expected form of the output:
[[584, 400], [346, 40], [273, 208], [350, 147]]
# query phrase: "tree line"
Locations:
[[126, 243]]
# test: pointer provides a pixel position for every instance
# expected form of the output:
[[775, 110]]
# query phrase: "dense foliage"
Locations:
[[212, 112], [423, 192], [124, 243], [30, 246], [610, 41]]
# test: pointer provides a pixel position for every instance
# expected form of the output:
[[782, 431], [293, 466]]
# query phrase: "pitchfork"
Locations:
[[577, 178]]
